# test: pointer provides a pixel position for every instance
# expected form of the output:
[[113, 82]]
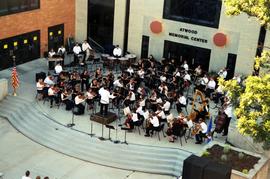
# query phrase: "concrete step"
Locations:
[[26, 118]]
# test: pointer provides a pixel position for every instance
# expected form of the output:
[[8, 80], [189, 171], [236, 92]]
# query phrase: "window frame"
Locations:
[[214, 24], [29, 7]]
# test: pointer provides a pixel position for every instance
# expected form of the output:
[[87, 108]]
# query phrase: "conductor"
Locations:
[[117, 52], [104, 100]]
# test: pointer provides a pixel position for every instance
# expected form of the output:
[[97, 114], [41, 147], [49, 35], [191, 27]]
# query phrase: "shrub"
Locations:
[[241, 155], [224, 157], [226, 149], [245, 171]]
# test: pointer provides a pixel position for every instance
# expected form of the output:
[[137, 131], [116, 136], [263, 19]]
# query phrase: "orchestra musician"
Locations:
[[200, 131], [85, 80], [90, 96], [153, 124], [53, 95], [76, 50], [86, 48], [51, 53], [66, 99], [132, 118], [40, 88], [176, 127], [181, 102], [79, 99]]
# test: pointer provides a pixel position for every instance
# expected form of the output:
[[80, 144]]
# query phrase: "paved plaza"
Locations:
[[20, 153]]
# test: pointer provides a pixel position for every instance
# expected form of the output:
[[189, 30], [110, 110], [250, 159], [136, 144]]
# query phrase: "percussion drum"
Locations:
[[124, 62], [111, 62], [104, 58], [131, 57]]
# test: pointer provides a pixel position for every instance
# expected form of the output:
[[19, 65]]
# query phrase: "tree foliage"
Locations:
[[252, 103], [256, 8]]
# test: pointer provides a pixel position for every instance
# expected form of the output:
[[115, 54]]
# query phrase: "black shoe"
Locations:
[[198, 142], [146, 135]]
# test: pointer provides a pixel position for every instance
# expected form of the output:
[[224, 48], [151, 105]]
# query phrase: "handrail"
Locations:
[[96, 44]]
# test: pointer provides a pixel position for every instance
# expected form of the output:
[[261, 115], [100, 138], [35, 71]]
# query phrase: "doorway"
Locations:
[[100, 21], [25, 47], [193, 55], [55, 37], [231, 61]]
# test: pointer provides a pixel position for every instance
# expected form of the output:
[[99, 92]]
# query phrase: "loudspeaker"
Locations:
[[193, 167], [41, 75], [215, 170]]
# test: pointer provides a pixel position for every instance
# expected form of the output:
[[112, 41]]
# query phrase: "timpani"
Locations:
[[104, 58], [111, 62], [52, 62], [131, 57], [124, 62]]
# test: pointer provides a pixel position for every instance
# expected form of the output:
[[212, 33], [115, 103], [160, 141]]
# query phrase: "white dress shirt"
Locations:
[[48, 81], [187, 77], [58, 69], [77, 49], [228, 111], [117, 83], [204, 81], [61, 50], [185, 66], [204, 127], [135, 117], [154, 120], [51, 54], [50, 92], [183, 100], [86, 46], [105, 96], [140, 111], [39, 86], [24, 177], [130, 70], [211, 84], [78, 100], [117, 51], [141, 73], [166, 106]]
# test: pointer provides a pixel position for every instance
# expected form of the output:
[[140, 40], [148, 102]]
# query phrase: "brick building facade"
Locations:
[[50, 13]]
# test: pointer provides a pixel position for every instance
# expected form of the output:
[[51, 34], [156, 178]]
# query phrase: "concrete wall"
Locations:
[[81, 20], [51, 12], [119, 23], [3, 88], [242, 33]]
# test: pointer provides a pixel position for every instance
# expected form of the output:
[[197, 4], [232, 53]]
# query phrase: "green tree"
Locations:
[[255, 8], [252, 102]]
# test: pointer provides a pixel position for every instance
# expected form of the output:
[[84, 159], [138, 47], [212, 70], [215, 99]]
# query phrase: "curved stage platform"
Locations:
[[27, 119]]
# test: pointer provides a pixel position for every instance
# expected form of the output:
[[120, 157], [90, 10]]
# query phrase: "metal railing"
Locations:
[[95, 45]]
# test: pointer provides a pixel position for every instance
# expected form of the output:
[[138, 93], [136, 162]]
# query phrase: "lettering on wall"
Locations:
[[187, 34]]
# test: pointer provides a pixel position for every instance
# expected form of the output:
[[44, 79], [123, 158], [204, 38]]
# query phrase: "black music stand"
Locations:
[[125, 129], [109, 127], [91, 129], [102, 131], [72, 119]]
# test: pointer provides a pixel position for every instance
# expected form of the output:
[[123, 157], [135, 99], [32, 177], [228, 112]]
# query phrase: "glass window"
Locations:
[[15, 6], [3, 7], [201, 12]]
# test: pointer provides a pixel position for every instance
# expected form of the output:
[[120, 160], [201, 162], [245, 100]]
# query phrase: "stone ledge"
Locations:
[[3, 88]]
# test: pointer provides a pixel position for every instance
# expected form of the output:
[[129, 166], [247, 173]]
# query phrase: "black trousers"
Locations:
[[226, 125], [104, 109], [199, 137]]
